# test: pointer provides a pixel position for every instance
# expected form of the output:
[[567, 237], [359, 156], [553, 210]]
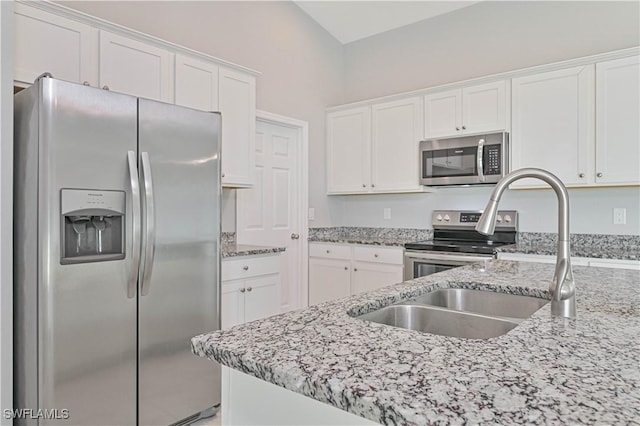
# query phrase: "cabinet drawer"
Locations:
[[244, 267], [330, 251], [392, 255]]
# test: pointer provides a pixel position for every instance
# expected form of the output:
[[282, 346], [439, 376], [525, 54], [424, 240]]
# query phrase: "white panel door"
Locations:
[[196, 84], [484, 107], [45, 42], [397, 130], [232, 303], [443, 113], [328, 280], [136, 68], [552, 125], [268, 213], [261, 297], [348, 151], [371, 276], [618, 121], [237, 102]]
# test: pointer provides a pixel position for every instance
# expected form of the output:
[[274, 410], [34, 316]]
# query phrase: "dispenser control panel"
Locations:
[[93, 225]]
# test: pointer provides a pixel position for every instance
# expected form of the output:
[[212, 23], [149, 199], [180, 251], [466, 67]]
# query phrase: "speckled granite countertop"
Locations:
[[371, 236], [622, 247], [547, 370], [234, 250]]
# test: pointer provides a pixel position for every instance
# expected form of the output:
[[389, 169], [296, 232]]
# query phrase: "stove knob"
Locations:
[[507, 218], [499, 219], [439, 218], [446, 218]]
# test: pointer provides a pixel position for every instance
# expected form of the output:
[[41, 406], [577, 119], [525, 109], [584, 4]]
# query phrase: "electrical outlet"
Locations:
[[619, 216], [387, 213], [312, 213]]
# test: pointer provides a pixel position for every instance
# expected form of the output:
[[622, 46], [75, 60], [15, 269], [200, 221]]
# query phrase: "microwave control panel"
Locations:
[[492, 160]]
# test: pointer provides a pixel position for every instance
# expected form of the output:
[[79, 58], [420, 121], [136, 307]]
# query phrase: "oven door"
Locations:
[[419, 263]]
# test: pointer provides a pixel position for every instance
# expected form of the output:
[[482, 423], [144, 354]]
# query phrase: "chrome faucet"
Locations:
[[563, 288]]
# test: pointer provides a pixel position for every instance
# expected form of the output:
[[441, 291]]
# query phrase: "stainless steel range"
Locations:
[[456, 243]]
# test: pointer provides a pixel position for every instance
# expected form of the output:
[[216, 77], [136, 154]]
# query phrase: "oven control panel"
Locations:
[[463, 219]]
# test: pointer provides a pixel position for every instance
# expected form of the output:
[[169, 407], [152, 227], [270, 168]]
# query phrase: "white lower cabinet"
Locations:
[[575, 261], [340, 270], [250, 289]]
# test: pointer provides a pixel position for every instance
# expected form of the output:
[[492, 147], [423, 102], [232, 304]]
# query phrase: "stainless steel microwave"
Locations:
[[464, 160]]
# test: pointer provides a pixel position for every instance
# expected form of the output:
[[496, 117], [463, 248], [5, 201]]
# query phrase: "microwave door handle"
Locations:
[[479, 160], [135, 224]]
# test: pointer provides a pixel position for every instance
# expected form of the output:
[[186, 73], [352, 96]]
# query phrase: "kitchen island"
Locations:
[[546, 370]]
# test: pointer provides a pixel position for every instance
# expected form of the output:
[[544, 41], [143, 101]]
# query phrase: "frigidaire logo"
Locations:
[[30, 413]]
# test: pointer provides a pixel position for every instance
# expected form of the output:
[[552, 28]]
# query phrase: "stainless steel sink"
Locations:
[[441, 321], [482, 302], [470, 314]]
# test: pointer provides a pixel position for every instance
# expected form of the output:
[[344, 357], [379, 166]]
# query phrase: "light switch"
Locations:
[[312, 213], [387, 213]]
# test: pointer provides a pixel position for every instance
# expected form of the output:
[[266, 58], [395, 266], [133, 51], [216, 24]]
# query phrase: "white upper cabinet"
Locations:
[[473, 109], [196, 83], [45, 42], [237, 103], [397, 131], [552, 125], [374, 149], [348, 151], [136, 68], [618, 122], [443, 113]]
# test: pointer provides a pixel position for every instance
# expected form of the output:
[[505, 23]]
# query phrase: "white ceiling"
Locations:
[[348, 21]]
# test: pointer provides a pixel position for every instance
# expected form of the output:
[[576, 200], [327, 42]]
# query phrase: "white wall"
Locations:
[[301, 64], [591, 209], [6, 208], [484, 39]]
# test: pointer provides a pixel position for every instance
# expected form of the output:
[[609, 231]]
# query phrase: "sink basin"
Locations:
[[482, 302], [456, 312], [441, 321]]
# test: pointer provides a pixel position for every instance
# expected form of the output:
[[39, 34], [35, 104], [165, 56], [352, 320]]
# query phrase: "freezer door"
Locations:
[[179, 287], [77, 317]]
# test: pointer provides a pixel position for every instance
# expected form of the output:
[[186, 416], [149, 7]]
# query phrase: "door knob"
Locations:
[[246, 268], [242, 290], [599, 175], [249, 288], [295, 236]]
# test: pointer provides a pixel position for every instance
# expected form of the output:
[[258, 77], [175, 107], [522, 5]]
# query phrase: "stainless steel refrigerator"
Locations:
[[117, 248]]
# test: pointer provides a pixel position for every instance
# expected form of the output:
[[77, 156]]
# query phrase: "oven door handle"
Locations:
[[479, 160], [446, 257]]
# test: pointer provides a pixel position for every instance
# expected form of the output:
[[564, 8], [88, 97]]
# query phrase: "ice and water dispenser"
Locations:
[[93, 225]]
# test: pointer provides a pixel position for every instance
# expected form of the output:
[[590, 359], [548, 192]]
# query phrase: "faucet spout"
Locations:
[[562, 288]]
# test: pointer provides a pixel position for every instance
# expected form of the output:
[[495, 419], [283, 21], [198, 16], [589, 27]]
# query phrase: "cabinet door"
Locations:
[[261, 297], [617, 122], [397, 130], [328, 280], [484, 107], [443, 114], [136, 68], [370, 276], [45, 42], [237, 102], [232, 303], [348, 151], [196, 83], [552, 126]]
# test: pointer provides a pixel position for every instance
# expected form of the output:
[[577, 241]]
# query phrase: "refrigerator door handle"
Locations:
[[135, 224], [150, 225]]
